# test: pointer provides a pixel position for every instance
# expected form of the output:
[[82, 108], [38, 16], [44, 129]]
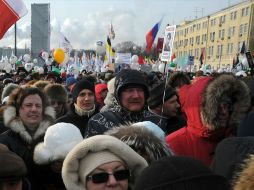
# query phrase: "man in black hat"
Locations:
[[131, 93], [165, 113]]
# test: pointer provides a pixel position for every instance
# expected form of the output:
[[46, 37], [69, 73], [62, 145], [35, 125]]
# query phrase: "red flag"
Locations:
[[202, 56], [140, 60], [173, 56], [10, 12], [151, 35]]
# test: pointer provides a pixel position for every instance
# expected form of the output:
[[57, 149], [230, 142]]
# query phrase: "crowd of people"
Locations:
[[126, 130]]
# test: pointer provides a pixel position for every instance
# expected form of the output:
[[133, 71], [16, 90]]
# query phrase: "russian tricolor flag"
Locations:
[[10, 12], [151, 35]]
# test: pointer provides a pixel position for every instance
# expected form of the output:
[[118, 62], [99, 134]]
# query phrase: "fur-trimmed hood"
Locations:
[[13, 121], [245, 178], [231, 87], [201, 101]]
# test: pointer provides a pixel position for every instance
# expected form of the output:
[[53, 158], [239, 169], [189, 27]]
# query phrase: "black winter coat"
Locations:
[[79, 121]]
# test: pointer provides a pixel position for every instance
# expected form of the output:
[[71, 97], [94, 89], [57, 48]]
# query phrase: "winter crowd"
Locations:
[[128, 130]]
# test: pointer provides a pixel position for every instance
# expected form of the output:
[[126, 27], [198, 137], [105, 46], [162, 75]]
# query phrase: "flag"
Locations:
[[10, 12], [235, 61], [243, 49], [202, 56], [111, 32], [65, 43], [151, 35], [110, 54], [173, 57]]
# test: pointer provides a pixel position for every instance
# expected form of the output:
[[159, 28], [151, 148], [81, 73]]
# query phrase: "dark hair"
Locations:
[[179, 79], [18, 95]]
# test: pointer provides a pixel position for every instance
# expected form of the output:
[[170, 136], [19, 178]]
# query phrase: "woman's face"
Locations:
[[111, 183], [30, 111]]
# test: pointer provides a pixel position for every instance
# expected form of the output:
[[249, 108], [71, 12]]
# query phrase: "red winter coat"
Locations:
[[197, 139]]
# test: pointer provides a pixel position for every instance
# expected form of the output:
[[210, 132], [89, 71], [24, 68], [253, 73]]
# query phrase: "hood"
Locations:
[[98, 89], [202, 100], [12, 121], [232, 88]]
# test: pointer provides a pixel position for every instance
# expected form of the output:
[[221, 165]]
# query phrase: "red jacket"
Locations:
[[195, 140]]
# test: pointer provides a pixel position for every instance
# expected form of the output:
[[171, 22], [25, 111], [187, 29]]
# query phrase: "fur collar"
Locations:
[[12, 121], [232, 87]]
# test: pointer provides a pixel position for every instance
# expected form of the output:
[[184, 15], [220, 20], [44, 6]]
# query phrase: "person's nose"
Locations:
[[111, 180]]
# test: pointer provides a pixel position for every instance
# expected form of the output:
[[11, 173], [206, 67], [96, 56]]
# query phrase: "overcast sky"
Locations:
[[84, 22]]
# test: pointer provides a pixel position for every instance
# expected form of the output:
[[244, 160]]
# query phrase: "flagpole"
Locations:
[[208, 17], [15, 39]]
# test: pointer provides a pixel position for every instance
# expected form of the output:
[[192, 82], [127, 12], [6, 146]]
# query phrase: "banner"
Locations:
[[168, 43]]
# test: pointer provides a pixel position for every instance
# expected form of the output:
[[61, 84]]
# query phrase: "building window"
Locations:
[[230, 48], [241, 29], [204, 25], [212, 36], [219, 50], [245, 11], [245, 30], [198, 40], [210, 51], [222, 19], [221, 33], [197, 53], [198, 26], [233, 15]]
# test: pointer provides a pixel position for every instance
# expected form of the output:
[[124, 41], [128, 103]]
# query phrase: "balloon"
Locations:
[[26, 58], [13, 59], [161, 67], [154, 68], [35, 61], [8, 68], [41, 70], [18, 63], [36, 69], [172, 64], [48, 62], [28, 66], [134, 66], [100, 47], [134, 59], [45, 55], [59, 55]]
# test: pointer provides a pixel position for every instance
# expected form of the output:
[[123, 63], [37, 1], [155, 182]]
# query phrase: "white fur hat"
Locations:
[[59, 139], [71, 170]]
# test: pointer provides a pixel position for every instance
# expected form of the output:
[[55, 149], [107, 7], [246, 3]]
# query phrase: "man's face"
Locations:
[[170, 107], [223, 114], [86, 100], [58, 107], [133, 99], [30, 111]]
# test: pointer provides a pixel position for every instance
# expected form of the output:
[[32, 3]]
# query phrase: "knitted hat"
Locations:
[[179, 173], [56, 92], [12, 167], [93, 160], [79, 160], [59, 139], [81, 85], [126, 78], [157, 92]]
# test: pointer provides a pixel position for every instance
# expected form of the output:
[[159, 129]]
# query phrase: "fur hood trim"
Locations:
[[12, 121], [245, 178], [225, 85]]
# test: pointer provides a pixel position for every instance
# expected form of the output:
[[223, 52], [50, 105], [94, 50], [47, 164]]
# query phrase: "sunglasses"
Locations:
[[103, 177]]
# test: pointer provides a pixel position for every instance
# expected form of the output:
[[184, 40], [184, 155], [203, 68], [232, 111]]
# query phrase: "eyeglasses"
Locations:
[[103, 177]]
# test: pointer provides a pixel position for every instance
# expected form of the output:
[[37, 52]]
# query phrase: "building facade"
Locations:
[[220, 35], [40, 29]]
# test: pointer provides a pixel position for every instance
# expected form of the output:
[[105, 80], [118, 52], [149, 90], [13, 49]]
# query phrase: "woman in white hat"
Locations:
[[101, 162]]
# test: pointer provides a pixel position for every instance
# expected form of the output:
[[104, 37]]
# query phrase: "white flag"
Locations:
[[65, 43]]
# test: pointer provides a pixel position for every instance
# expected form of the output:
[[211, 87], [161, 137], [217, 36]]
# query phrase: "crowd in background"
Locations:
[[126, 130]]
